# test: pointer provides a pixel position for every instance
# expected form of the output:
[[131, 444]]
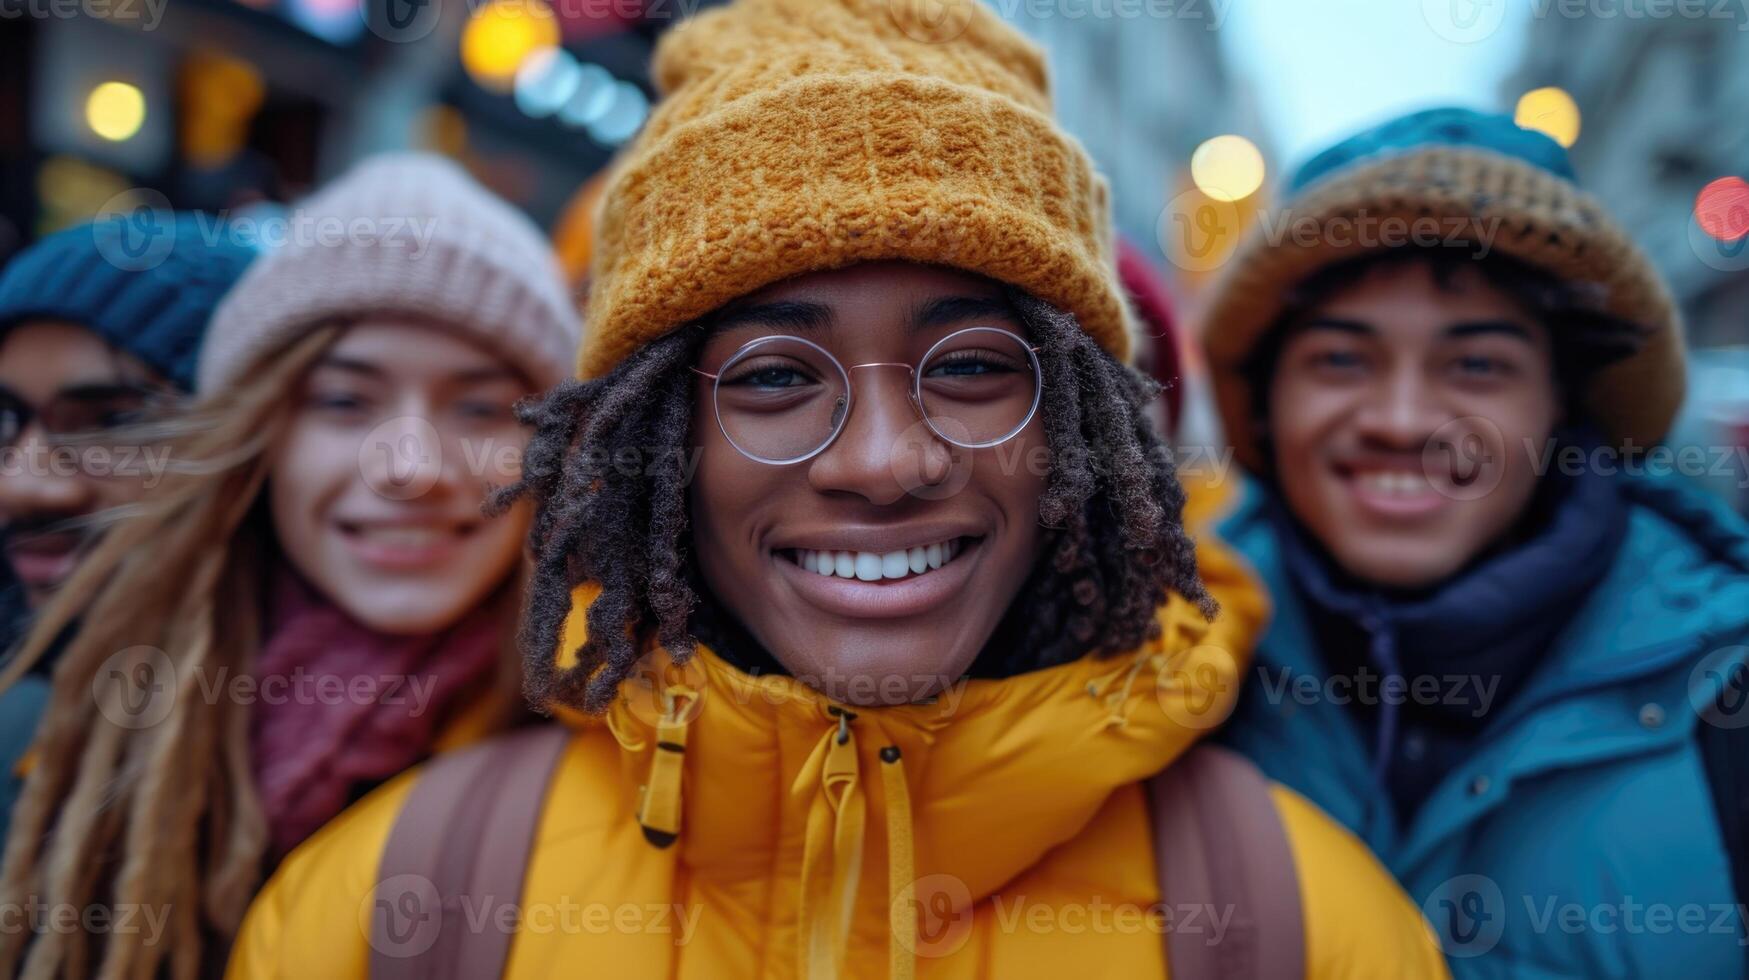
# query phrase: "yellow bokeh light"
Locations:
[[115, 111], [501, 35], [1549, 110], [1227, 168]]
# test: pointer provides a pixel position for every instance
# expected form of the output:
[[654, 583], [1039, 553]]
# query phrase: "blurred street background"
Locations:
[[241, 105]]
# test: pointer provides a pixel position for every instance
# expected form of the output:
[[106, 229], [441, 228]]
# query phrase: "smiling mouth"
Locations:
[[872, 566]]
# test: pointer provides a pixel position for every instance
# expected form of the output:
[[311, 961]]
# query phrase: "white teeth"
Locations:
[[402, 536], [1395, 483], [870, 566]]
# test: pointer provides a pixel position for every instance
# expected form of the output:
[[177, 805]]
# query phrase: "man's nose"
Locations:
[[1401, 412], [885, 450], [38, 478]]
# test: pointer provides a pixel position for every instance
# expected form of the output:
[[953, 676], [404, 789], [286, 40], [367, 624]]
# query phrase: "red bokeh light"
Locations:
[[1722, 208]]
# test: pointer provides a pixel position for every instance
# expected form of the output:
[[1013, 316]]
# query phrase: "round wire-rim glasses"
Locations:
[[915, 392]]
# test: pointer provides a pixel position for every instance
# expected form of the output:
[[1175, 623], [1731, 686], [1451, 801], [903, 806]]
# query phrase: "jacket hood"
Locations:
[[754, 779]]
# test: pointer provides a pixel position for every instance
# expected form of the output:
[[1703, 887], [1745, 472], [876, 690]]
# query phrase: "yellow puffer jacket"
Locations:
[[1008, 829]]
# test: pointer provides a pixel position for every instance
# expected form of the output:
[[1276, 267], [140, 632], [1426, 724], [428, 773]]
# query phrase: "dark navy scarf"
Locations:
[[1494, 621]]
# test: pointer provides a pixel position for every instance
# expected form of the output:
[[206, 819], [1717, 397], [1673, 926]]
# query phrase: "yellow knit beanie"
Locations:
[[804, 135]]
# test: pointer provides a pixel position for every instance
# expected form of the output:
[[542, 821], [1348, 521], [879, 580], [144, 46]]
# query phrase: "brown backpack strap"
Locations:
[[449, 889], [1220, 850]]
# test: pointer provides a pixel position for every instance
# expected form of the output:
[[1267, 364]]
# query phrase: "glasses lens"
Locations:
[[781, 399], [88, 414], [14, 416], [979, 387]]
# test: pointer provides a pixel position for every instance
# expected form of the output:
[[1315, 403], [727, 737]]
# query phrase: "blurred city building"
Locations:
[[221, 104], [1663, 141]]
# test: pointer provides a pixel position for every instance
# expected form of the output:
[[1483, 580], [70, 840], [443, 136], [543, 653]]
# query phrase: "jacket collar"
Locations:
[[747, 776]]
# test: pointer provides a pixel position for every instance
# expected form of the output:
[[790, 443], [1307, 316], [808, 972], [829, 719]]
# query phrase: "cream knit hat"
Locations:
[[401, 233]]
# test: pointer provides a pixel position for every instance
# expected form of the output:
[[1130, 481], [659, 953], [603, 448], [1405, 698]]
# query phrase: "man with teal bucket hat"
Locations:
[[1500, 652]]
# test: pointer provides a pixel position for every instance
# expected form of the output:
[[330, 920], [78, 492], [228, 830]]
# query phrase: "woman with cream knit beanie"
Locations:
[[860, 585], [312, 600]]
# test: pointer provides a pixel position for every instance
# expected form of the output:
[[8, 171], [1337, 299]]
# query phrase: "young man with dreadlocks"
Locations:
[[860, 576]]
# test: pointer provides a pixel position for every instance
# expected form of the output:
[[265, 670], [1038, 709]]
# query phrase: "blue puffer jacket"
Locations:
[[1581, 838]]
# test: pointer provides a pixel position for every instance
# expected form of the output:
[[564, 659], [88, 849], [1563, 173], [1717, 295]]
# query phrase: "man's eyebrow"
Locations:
[[789, 315], [1338, 324], [482, 375], [1474, 328], [96, 391], [351, 366], [950, 310]]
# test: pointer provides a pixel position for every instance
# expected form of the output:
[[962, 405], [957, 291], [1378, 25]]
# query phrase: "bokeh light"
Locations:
[[1227, 168], [501, 36], [546, 81], [115, 111], [1549, 110], [1722, 208]]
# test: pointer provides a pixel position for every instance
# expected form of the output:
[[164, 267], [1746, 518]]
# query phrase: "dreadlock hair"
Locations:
[[160, 816], [1113, 505]]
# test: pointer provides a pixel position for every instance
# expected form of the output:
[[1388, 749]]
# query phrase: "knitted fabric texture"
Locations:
[[147, 285], [403, 235], [804, 135], [1472, 178]]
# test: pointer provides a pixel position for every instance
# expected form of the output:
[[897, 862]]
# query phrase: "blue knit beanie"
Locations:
[[1446, 126], [147, 289]]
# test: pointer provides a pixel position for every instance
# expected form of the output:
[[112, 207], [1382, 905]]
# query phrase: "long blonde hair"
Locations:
[[162, 818]]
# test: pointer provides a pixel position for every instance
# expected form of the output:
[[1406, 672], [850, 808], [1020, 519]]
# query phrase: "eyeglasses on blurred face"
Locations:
[[782, 399]]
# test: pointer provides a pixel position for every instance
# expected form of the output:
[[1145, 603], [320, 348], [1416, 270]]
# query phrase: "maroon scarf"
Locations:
[[341, 707]]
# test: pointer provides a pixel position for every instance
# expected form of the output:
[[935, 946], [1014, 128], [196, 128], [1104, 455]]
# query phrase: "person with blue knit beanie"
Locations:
[[100, 326], [1506, 650]]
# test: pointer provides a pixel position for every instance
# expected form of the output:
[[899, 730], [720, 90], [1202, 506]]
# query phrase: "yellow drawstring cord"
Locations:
[[901, 862], [660, 813], [829, 898]]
